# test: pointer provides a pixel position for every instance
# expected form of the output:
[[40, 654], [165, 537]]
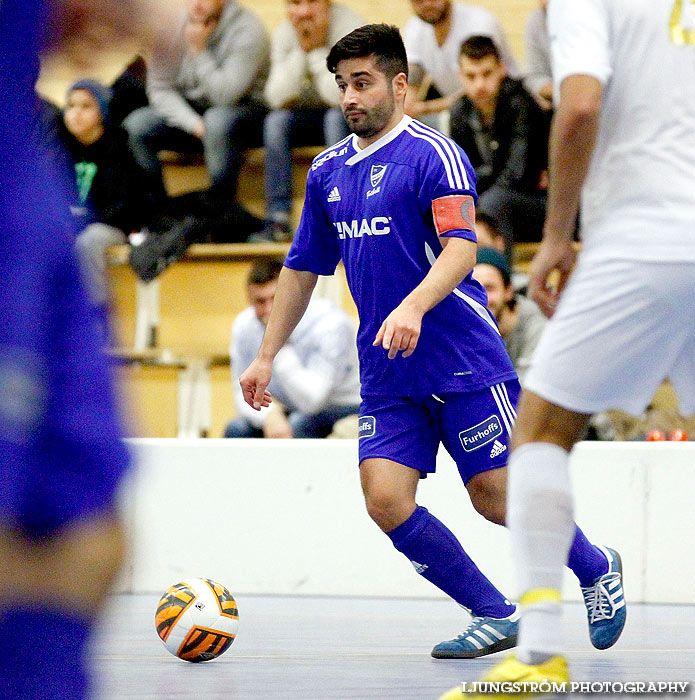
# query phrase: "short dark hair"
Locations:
[[490, 221], [478, 47], [264, 270], [383, 41]]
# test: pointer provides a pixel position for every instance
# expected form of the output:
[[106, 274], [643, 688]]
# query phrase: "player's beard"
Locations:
[[373, 120]]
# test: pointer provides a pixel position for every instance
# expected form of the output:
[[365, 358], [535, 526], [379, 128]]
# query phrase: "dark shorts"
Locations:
[[475, 428]]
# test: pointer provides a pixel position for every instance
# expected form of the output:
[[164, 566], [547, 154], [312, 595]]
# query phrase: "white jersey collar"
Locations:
[[361, 154]]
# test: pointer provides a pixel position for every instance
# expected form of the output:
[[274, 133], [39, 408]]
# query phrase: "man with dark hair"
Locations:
[[433, 38], [519, 319], [380, 41], [397, 204], [488, 233], [505, 134], [316, 379]]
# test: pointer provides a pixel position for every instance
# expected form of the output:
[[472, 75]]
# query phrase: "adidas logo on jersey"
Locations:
[[334, 195], [497, 449]]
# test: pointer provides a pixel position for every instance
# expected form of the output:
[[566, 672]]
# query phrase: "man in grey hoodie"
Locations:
[[205, 86]]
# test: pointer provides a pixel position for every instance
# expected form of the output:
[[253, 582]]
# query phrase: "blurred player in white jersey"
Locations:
[[624, 139]]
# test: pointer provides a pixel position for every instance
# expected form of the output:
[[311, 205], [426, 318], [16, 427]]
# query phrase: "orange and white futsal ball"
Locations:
[[197, 619]]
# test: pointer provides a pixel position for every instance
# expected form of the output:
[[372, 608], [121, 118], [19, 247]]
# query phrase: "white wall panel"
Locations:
[[287, 517]]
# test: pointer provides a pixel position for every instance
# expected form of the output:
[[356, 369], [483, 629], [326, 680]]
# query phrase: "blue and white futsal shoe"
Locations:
[[605, 603], [485, 635]]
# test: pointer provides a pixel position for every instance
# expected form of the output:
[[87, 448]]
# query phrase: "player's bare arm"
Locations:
[[291, 299], [400, 330], [572, 140]]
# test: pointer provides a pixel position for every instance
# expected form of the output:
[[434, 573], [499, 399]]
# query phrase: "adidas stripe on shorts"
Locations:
[[474, 427]]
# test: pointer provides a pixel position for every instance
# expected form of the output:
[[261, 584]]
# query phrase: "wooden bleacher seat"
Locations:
[[193, 382], [173, 334], [146, 297], [523, 253]]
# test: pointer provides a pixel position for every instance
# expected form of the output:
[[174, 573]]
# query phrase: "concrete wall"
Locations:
[[287, 517]]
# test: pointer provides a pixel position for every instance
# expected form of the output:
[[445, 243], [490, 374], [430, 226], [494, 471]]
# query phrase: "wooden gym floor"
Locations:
[[328, 648]]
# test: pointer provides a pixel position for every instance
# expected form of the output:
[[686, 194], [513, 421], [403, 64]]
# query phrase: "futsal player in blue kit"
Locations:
[[396, 201], [61, 456]]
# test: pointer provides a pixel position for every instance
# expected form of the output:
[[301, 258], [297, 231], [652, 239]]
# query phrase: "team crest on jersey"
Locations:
[[367, 426], [376, 174], [480, 434]]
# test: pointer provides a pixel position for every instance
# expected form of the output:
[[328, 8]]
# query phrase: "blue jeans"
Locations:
[[304, 425], [284, 129], [229, 131]]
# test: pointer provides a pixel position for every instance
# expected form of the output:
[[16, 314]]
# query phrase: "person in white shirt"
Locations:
[[622, 145], [303, 98], [316, 378], [538, 77], [433, 41]]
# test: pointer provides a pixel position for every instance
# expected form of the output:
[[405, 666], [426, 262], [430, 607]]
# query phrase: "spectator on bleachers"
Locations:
[[303, 98], [488, 235], [205, 86], [538, 77], [520, 321], [433, 40], [111, 196], [315, 375], [505, 134]]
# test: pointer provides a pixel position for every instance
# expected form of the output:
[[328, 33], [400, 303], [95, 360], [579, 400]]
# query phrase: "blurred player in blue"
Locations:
[[61, 456], [396, 201]]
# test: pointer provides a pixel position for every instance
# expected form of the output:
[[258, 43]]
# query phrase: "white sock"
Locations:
[[541, 523]]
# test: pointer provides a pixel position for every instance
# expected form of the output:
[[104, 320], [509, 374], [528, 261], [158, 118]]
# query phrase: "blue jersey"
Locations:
[[382, 211], [61, 456]]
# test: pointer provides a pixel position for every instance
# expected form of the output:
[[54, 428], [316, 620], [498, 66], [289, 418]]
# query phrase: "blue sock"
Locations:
[[43, 655], [586, 560], [438, 556]]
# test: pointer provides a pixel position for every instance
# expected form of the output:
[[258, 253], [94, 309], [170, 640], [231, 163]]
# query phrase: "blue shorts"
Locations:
[[475, 428]]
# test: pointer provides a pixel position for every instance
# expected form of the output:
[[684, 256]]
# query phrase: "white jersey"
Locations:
[[441, 63], [638, 200]]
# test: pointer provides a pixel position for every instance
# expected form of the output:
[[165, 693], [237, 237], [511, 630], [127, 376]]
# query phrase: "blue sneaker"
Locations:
[[605, 603], [485, 635]]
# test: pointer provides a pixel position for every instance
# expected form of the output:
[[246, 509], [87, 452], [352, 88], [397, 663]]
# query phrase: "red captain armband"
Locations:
[[453, 213]]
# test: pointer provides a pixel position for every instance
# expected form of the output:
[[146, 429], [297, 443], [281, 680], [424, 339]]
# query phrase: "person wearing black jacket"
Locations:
[[110, 192], [505, 134]]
